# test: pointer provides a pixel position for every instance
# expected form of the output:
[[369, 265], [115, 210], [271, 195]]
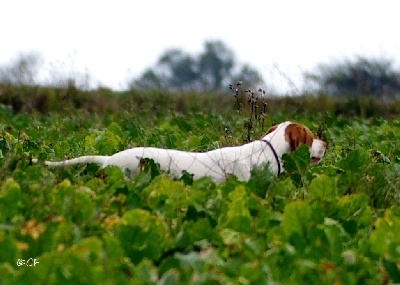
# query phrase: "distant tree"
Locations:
[[250, 77], [212, 70], [22, 71], [180, 69], [361, 76], [148, 79], [175, 70], [216, 65]]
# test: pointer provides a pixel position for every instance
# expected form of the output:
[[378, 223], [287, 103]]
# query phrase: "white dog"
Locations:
[[218, 163]]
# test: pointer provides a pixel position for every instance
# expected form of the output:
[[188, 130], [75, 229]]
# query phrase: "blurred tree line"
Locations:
[[23, 71], [211, 70], [358, 77], [215, 68]]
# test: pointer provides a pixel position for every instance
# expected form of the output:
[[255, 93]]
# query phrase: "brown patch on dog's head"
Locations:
[[296, 134]]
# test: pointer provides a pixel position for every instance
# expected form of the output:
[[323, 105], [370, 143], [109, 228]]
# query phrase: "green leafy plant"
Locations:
[[333, 223]]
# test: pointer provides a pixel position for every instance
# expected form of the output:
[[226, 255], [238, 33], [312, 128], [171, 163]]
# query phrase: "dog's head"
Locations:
[[286, 138]]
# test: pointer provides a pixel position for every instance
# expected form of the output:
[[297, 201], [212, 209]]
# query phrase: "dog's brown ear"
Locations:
[[296, 134]]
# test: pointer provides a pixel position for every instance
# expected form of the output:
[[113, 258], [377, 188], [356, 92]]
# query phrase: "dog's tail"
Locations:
[[99, 159]]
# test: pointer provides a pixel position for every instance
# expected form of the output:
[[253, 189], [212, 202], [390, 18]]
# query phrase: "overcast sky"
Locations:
[[115, 41]]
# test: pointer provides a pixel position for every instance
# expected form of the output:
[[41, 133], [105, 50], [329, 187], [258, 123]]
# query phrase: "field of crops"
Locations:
[[337, 222]]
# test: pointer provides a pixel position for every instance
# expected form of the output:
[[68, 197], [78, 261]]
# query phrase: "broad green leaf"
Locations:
[[166, 197], [143, 235], [74, 203], [193, 142], [149, 166], [385, 238], [103, 142], [11, 199], [61, 148], [8, 248], [113, 249], [355, 209], [187, 178], [230, 237], [296, 219], [298, 160], [281, 193], [393, 269], [336, 236], [146, 272], [4, 147], [113, 174], [171, 277], [382, 183], [192, 232], [182, 123], [90, 249], [355, 160], [323, 187], [115, 129], [260, 179], [191, 260], [252, 272], [237, 216], [354, 166]]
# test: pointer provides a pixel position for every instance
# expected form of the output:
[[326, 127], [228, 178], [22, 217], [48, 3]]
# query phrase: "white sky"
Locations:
[[115, 41]]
